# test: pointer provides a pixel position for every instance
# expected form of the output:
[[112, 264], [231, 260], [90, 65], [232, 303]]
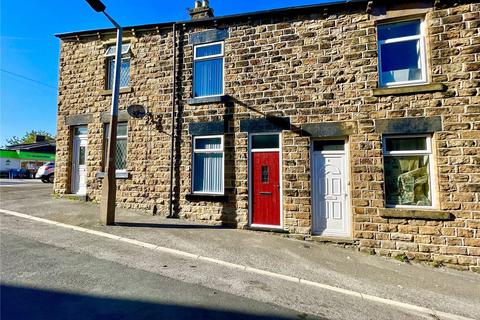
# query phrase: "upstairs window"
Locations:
[[124, 67], [401, 52], [208, 165], [121, 150], [208, 70], [408, 171]]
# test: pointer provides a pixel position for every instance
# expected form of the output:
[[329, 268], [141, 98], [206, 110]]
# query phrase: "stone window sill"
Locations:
[[422, 214], [206, 197], [206, 100], [118, 175], [422, 88], [122, 90]]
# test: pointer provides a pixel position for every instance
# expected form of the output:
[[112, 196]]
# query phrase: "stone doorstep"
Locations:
[[322, 239], [73, 196]]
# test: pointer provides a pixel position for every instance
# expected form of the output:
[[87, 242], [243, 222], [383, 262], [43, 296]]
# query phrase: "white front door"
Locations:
[[329, 189], [79, 168]]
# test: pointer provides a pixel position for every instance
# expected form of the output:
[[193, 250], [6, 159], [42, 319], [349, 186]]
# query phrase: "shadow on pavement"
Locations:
[[167, 226], [34, 303]]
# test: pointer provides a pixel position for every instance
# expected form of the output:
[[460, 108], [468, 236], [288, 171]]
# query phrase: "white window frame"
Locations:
[[214, 56], [220, 150], [428, 152], [423, 60], [119, 137], [111, 56]]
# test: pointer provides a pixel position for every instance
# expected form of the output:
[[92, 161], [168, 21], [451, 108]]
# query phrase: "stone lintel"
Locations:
[[330, 129], [421, 88], [414, 214], [408, 125], [208, 36], [108, 92], [207, 128], [79, 119], [269, 124], [400, 9], [122, 116]]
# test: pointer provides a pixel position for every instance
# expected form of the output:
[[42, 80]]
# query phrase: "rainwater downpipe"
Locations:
[[174, 102]]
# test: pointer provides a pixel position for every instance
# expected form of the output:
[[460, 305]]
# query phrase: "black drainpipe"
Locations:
[[174, 101]]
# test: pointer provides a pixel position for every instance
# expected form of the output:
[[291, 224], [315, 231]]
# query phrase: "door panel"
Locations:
[[266, 188], [79, 167], [330, 214]]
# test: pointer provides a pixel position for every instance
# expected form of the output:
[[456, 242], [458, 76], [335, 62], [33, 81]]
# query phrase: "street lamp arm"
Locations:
[[112, 21]]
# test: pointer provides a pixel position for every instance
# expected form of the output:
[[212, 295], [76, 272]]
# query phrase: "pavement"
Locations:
[[448, 291]]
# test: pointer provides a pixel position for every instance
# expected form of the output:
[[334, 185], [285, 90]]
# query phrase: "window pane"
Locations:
[[80, 131], [400, 61], [208, 77], [121, 129], [208, 172], [406, 144], [338, 145], [208, 143], [124, 73], [121, 154], [81, 156], [399, 29], [111, 50], [208, 50], [407, 180], [265, 141]]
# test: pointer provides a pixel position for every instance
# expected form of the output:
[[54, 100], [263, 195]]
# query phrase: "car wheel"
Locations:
[[51, 178]]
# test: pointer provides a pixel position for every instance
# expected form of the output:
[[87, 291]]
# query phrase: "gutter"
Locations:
[[174, 102]]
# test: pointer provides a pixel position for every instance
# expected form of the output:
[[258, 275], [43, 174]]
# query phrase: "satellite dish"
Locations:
[[136, 111]]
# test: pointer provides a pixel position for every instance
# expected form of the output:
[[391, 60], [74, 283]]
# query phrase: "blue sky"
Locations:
[[29, 51]]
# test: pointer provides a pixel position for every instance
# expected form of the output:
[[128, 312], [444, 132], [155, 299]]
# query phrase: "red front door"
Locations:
[[266, 188]]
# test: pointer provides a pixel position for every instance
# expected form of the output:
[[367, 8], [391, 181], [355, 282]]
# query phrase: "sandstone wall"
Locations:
[[315, 68]]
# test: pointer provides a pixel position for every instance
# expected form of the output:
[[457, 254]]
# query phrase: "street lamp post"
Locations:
[[109, 185]]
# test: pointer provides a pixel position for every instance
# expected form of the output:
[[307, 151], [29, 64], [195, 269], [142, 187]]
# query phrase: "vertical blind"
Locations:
[[208, 70], [208, 77], [208, 166]]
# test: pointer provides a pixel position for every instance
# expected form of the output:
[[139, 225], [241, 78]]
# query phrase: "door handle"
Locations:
[[265, 193]]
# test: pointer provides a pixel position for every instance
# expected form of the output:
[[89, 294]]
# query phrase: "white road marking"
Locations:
[[402, 305]]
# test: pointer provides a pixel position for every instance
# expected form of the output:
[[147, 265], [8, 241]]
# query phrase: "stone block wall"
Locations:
[[319, 67]]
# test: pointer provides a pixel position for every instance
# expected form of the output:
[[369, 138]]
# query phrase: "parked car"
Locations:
[[46, 172], [21, 173]]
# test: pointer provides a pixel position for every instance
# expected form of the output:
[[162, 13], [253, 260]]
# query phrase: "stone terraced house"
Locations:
[[357, 122]]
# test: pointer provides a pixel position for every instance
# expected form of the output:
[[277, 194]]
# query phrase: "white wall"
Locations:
[[9, 163]]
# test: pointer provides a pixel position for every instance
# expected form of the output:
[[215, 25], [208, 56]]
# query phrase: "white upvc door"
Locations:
[[330, 196], [79, 167]]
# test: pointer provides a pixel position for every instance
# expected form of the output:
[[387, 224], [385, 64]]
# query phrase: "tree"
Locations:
[[30, 137]]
